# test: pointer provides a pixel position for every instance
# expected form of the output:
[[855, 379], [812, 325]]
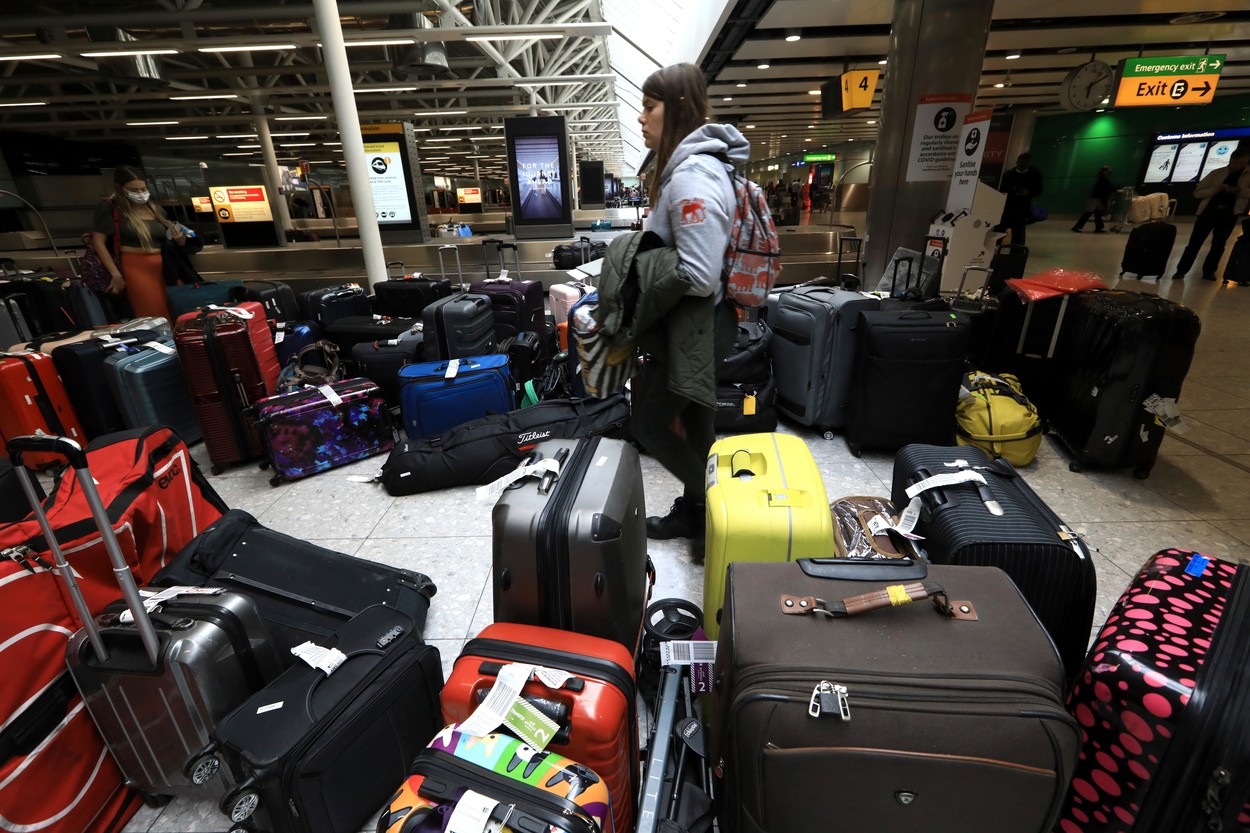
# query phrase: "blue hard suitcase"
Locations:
[[572, 357], [184, 298], [150, 390], [81, 367], [436, 397], [289, 337]]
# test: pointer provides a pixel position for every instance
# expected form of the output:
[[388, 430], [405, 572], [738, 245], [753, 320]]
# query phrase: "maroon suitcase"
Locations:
[[224, 378], [1163, 703]]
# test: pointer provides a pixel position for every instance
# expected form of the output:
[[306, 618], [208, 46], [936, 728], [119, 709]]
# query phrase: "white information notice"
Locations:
[[935, 137], [386, 178], [1189, 162], [968, 155], [1159, 168]]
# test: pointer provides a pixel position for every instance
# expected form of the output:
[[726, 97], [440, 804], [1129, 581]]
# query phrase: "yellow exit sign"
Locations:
[[1180, 79], [858, 85]]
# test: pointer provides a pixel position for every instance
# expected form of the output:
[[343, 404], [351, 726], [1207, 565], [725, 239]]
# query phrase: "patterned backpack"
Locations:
[[753, 256]]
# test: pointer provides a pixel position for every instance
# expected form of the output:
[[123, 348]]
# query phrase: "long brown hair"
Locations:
[[127, 173], [683, 90]]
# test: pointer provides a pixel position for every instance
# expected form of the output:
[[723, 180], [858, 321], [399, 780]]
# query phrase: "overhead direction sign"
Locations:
[[1179, 79], [858, 85], [819, 157]]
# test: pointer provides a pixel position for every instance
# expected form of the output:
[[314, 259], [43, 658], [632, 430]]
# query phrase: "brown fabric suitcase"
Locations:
[[899, 719]]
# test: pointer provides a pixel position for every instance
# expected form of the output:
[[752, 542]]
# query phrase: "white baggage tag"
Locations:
[[685, 652], [552, 677], [492, 491], [937, 481], [279, 336], [880, 524], [161, 348], [453, 367], [492, 710], [319, 657], [328, 393], [235, 311], [471, 814]]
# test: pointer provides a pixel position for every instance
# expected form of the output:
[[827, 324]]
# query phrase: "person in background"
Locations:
[[693, 199], [148, 238], [1225, 194], [796, 189], [1022, 184], [1099, 201]]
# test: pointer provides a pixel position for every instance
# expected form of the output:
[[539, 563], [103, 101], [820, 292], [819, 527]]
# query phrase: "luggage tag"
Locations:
[[968, 475], [504, 705], [1167, 413], [880, 524], [330, 394], [748, 405], [472, 813], [319, 657], [492, 491], [151, 601], [453, 367], [235, 311], [699, 655], [161, 348]]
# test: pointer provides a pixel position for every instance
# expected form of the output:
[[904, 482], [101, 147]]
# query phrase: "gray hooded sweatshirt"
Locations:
[[696, 204]]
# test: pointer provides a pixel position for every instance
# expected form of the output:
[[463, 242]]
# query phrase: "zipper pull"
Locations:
[[829, 698]]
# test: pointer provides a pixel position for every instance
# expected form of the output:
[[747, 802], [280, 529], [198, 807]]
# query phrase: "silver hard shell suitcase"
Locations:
[[570, 548], [156, 685], [813, 348]]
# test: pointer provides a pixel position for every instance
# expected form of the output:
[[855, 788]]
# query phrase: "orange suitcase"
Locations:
[[34, 401], [597, 705]]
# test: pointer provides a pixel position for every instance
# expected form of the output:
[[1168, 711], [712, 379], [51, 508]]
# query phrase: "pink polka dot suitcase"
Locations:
[[1163, 702]]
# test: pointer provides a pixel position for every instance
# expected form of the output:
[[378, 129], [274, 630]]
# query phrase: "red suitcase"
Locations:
[[1163, 701], [33, 401], [599, 700], [230, 363]]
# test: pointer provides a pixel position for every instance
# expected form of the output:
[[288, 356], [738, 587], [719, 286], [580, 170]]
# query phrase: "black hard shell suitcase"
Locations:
[[314, 752], [570, 550], [459, 326], [899, 719], [81, 367], [325, 306], [303, 591], [277, 298], [157, 684], [906, 380], [1046, 559], [1237, 269], [1119, 349], [1148, 249], [404, 295], [351, 330], [815, 339], [1162, 700]]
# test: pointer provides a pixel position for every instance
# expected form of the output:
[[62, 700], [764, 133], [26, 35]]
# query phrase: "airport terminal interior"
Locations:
[[226, 95]]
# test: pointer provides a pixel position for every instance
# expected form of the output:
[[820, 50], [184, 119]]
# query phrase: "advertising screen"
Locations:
[[538, 178], [390, 186], [1159, 168]]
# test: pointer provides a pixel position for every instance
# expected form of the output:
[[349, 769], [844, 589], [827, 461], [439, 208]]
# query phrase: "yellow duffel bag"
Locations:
[[994, 415]]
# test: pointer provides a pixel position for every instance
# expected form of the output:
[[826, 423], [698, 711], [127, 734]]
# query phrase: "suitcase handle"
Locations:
[[77, 459], [893, 595], [859, 569]]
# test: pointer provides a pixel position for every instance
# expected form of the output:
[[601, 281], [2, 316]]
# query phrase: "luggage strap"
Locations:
[[40, 717], [892, 595], [42, 401]]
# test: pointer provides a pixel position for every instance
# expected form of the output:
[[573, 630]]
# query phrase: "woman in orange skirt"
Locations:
[[141, 226]]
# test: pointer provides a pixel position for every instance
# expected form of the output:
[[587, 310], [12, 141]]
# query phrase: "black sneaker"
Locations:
[[684, 520]]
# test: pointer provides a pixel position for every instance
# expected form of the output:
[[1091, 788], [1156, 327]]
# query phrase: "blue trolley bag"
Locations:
[[437, 396]]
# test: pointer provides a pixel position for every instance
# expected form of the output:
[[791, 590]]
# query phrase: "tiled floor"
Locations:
[[1198, 496]]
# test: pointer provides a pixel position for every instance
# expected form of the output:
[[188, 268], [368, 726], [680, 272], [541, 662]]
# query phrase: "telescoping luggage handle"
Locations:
[[499, 248], [442, 266], [77, 459], [960, 303]]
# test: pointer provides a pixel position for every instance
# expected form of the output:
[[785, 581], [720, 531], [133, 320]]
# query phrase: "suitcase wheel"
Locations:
[[240, 828], [856, 450], [276, 480], [202, 769], [1141, 473], [1075, 467], [828, 435], [215, 469], [240, 803], [672, 619]]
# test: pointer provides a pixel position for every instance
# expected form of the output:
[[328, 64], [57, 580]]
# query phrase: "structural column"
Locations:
[[1023, 123], [276, 201], [344, 98], [936, 48]]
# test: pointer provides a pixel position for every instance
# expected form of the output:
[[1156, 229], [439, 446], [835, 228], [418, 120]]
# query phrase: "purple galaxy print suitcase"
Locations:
[[1164, 705], [314, 429]]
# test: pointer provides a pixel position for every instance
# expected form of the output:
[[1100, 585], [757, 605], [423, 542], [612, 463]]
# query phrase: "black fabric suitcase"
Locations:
[[815, 339], [81, 367], [1237, 269], [1148, 249], [907, 719], [380, 361], [1009, 262], [571, 255], [906, 380], [746, 407], [14, 329], [351, 330], [517, 305], [750, 360], [277, 298], [459, 326], [325, 306], [404, 295], [313, 752], [303, 591], [1003, 523], [570, 549], [1119, 350]]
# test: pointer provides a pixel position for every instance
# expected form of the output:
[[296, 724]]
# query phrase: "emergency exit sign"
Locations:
[[1180, 79], [819, 157]]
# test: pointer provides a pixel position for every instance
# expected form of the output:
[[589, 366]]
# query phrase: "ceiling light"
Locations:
[[1100, 110], [300, 118], [24, 104], [793, 36], [850, 140], [236, 136], [32, 56], [784, 136], [999, 85], [807, 140], [183, 138], [472, 127], [238, 154], [257, 147], [255, 47], [298, 145], [872, 121], [542, 36], [1066, 50], [762, 66], [441, 113], [128, 53], [882, 62], [201, 97], [728, 98], [294, 135], [813, 92], [750, 127], [319, 161], [328, 144], [149, 123], [387, 90], [381, 42], [488, 138], [1012, 56], [740, 84], [440, 140], [810, 126]]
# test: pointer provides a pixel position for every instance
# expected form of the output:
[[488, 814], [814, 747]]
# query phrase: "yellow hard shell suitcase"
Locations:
[[765, 502]]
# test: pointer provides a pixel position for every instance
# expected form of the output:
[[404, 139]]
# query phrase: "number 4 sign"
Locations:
[[858, 85]]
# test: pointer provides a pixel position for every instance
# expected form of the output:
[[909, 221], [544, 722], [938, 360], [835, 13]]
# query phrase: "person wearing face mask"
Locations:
[[152, 246]]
